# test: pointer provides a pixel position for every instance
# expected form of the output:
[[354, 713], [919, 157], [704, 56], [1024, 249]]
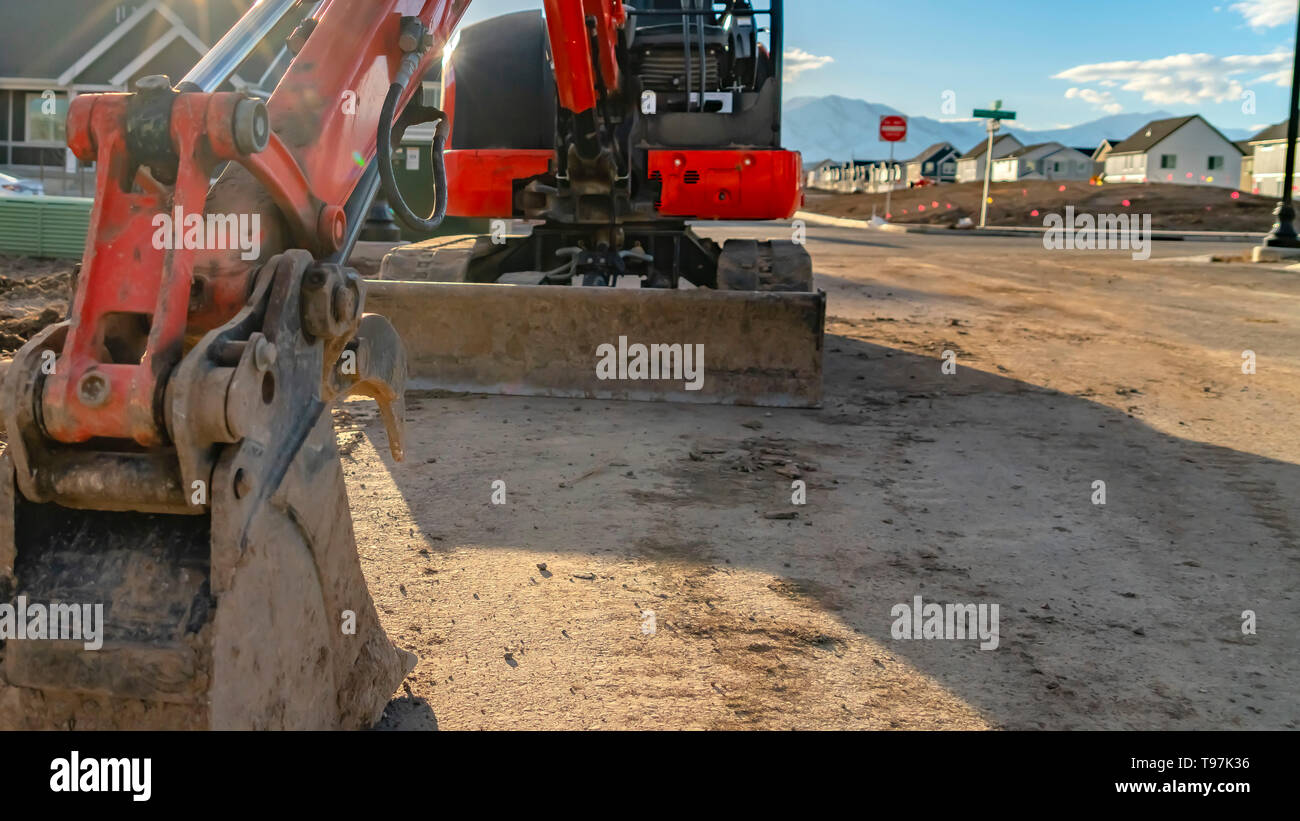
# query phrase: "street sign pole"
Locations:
[[889, 192], [995, 116], [892, 129], [988, 174]]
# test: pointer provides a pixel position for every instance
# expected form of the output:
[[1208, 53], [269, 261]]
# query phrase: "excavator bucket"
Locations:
[[742, 347], [213, 583]]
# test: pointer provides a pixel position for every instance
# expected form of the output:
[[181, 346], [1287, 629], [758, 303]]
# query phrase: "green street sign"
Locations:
[[993, 114]]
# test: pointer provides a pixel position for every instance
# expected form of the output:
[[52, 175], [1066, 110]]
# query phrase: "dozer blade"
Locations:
[[152, 599], [758, 348]]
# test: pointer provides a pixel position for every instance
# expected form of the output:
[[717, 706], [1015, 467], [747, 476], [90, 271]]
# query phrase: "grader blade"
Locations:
[[746, 347]]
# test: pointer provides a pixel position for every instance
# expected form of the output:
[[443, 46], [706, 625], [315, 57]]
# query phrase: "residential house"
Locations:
[[819, 176], [937, 163], [1099, 155], [845, 177], [1268, 161], [973, 164], [67, 47], [885, 175], [1043, 161], [1247, 165], [1182, 150]]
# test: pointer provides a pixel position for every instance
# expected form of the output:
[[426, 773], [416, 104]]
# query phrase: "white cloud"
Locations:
[[1101, 99], [1186, 79], [797, 61], [1262, 14]]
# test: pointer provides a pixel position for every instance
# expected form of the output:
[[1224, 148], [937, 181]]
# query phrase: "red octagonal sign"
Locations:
[[893, 129]]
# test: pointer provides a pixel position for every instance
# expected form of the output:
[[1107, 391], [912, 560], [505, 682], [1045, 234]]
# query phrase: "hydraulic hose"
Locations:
[[384, 154]]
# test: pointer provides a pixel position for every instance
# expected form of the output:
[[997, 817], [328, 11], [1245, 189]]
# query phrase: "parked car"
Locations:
[[17, 186]]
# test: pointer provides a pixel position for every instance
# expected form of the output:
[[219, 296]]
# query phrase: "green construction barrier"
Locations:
[[44, 226]]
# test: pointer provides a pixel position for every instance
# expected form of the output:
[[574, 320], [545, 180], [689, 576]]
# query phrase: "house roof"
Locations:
[[1155, 132], [1105, 146], [109, 43], [1036, 148], [931, 151], [1273, 133], [1151, 134], [983, 145]]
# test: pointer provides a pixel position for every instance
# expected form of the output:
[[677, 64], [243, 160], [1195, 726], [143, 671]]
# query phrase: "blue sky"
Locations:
[[1055, 63]]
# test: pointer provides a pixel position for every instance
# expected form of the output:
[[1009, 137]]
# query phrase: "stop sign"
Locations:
[[893, 129]]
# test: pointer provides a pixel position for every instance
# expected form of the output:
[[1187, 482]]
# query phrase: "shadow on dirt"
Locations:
[[964, 488], [409, 714]]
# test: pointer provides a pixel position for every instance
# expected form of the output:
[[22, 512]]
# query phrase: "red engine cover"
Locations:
[[729, 185]]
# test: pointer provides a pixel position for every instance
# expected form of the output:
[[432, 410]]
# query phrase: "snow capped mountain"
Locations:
[[840, 128]]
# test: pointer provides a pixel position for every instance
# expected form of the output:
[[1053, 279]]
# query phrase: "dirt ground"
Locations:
[[1172, 207], [642, 573], [975, 487], [33, 294]]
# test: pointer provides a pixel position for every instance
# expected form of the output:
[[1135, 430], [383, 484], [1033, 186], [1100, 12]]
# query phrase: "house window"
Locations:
[[1056, 168], [1168, 160], [1216, 163], [929, 168], [47, 118], [949, 167]]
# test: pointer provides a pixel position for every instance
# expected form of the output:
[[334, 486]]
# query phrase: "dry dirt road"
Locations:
[[632, 580]]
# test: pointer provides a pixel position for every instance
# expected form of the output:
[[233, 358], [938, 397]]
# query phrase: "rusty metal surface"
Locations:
[[759, 348]]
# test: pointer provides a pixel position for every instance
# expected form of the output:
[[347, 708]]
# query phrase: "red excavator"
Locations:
[[170, 449]]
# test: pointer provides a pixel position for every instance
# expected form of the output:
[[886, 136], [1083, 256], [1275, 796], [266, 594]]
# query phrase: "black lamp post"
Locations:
[[1283, 234]]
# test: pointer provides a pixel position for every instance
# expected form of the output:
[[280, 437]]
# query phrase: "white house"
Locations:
[[1268, 161], [820, 175], [1044, 161], [884, 176], [1183, 150], [971, 166]]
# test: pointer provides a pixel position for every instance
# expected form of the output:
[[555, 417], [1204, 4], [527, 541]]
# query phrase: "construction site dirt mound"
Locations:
[[33, 293], [1172, 207]]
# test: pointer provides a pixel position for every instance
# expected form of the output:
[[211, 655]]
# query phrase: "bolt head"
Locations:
[[264, 354], [94, 389]]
